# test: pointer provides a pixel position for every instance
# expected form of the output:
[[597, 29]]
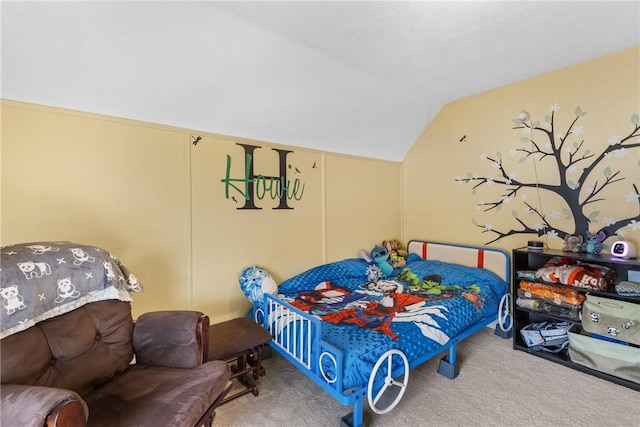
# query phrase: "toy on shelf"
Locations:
[[572, 243], [593, 244]]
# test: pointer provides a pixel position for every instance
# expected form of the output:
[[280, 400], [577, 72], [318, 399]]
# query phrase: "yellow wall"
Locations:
[[437, 206], [92, 180], [158, 202], [364, 203]]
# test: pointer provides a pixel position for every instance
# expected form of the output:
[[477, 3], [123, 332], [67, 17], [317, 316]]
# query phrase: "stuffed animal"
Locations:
[[572, 243], [593, 244], [380, 256], [397, 255], [374, 273], [255, 282]]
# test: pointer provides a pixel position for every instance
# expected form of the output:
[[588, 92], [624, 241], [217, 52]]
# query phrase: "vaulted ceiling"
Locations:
[[362, 78]]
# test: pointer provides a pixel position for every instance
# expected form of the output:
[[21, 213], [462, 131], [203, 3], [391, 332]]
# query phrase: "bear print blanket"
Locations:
[[42, 280]]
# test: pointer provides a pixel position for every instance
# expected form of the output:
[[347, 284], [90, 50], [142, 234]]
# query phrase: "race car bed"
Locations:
[[357, 335]]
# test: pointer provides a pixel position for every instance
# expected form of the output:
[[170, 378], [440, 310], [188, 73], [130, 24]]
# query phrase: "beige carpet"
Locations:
[[497, 386]]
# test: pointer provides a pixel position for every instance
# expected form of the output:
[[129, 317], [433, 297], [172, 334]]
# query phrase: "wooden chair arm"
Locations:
[[67, 414], [27, 406], [203, 339]]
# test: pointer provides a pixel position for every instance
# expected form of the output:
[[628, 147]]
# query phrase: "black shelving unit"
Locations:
[[524, 259]]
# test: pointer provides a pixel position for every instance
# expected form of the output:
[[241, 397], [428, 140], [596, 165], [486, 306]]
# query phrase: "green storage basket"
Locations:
[[616, 319], [615, 359]]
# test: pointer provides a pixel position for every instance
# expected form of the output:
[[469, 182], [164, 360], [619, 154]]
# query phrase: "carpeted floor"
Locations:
[[497, 386]]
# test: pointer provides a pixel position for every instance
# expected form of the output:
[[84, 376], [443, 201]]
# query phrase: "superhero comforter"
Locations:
[[417, 310]]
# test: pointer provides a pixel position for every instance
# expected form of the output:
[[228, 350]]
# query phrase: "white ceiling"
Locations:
[[362, 78]]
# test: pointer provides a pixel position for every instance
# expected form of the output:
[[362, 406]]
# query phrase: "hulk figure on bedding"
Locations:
[[432, 286]]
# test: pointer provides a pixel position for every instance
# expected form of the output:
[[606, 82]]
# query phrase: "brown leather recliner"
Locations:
[[76, 369]]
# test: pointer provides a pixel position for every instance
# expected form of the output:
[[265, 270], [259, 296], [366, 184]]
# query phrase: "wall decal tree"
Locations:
[[567, 155]]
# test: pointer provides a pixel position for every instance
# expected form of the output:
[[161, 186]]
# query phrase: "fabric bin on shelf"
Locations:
[[606, 356], [616, 319]]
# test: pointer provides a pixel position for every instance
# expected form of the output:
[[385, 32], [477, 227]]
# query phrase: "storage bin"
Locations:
[[617, 319], [620, 360]]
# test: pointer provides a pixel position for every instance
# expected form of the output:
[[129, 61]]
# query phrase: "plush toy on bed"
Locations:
[[380, 256], [255, 282], [374, 273], [397, 255]]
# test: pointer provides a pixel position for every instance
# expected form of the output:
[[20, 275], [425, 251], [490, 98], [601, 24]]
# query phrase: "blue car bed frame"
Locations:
[[304, 347]]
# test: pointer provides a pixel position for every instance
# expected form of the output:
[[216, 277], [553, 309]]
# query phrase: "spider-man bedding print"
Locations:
[[416, 310]]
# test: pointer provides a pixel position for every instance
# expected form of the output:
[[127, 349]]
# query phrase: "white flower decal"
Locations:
[[620, 153], [631, 197], [614, 140]]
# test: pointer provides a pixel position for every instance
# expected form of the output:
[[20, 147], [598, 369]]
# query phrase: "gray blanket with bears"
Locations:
[[42, 280]]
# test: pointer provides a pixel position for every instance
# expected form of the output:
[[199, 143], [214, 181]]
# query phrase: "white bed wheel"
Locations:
[[505, 320], [388, 381], [326, 377], [258, 315]]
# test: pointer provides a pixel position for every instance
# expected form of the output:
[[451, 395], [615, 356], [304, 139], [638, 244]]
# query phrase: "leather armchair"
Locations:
[[76, 370]]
